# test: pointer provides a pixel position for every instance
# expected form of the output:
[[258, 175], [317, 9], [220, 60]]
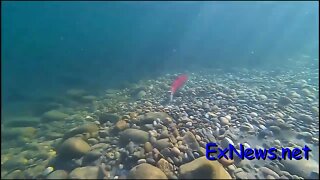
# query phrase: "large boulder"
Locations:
[[73, 148], [58, 174], [54, 115], [304, 168], [146, 171], [88, 172], [134, 135], [90, 128], [305, 118], [202, 168], [191, 141]]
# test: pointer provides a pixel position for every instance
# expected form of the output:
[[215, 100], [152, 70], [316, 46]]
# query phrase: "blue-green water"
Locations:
[[86, 58]]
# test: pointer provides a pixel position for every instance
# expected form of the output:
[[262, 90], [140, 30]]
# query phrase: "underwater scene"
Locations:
[[159, 90]]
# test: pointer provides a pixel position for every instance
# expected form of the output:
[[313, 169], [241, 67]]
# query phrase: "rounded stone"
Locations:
[[58, 174], [226, 162], [88, 172], [148, 147], [146, 171], [73, 147], [224, 121]]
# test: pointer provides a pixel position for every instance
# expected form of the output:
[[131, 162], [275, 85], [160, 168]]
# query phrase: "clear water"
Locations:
[[51, 52]]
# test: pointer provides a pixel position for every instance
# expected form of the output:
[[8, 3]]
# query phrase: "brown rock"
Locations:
[[226, 162], [224, 121], [202, 168], [73, 147], [175, 151], [175, 132], [165, 166], [121, 125], [148, 147], [133, 114], [90, 128], [202, 151], [146, 171], [167, 120], [88, 172], [172, 139], [164, 134]]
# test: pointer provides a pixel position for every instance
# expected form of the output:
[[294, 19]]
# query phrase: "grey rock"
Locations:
[[134, 135], [104, 117], [304, 168], [266, 171], [225, 142], [163, 143], [151, 161], [191, 141], [305, 118], [91, 156]]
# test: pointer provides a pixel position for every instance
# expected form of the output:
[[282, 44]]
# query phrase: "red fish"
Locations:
[[177, 84]]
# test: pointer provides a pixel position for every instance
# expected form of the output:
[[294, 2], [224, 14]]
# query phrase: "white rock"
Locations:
[[140, 161], [189, 124], [263, 97], [246, 145], [253, 114], [88, 117], [155, 123], [277, 142], [262, 127], [226, 141], [250, 125], [206, 115], [47, 171]]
